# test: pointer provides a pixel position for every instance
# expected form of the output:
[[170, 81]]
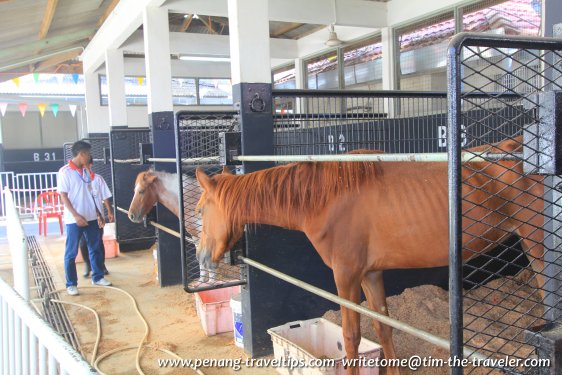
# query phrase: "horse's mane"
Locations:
[[299, 189]]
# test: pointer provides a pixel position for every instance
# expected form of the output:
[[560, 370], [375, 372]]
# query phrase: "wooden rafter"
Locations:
[[185, 24], [47, 18], [56, 60], [209, 24], [107, 12]]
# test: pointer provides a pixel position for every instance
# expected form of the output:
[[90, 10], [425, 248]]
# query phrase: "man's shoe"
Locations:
[[87, 271], [72, 290], [101, 282]]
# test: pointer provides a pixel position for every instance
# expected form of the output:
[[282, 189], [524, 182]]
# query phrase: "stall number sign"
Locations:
[[33, 155], [442, 136], [44, 156], [340, 144]]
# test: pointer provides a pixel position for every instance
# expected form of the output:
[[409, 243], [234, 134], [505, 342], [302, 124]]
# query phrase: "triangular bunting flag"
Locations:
[[72, 108], [55, 109], [36, 77], [75, 78], [42, 107], [23, 108], [3, 107], [140, 80], [16, 81]]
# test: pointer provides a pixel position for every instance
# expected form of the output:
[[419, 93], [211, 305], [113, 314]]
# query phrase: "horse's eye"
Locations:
[[141, 191]]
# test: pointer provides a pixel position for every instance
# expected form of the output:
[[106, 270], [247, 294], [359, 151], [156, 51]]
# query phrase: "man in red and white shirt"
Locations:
[[81, 216], [101, 193]]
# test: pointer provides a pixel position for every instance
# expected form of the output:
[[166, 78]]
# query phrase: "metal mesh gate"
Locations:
[[125, 153], [504, 316], [197, 134], [317, 122]]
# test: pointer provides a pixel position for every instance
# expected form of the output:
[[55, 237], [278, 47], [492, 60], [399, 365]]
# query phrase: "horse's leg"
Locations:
[[534, 250], [349, 289], [373, 286]]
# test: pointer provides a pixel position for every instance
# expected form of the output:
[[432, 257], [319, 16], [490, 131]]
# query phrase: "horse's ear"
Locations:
[[205, 181], [149, 178], [226, 170]]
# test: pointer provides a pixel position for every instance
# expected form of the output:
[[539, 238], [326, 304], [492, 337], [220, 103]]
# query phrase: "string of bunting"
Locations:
[[42, 107]]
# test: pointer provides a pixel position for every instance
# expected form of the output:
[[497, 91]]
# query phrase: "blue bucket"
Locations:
[[236, 306]]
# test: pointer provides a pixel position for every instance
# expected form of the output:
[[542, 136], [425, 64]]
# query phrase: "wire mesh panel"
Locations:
[[504, 316], [197, 134], [335, 122], [125, 167]]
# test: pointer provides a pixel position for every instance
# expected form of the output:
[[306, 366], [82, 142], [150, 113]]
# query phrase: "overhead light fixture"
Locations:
[[333, 40], [204, 58]]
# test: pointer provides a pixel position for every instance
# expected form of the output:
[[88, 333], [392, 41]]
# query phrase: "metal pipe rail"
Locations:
[[155, 224], [45, 348], [426, 336], [467, 157], [185, 161]]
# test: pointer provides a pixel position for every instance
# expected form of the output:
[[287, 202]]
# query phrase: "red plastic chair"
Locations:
[[49, 204]]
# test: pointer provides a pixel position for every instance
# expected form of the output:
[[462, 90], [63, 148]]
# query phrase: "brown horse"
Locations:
[[365, 217], [153, 187]]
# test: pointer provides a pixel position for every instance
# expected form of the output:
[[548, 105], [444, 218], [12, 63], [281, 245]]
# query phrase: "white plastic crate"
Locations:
[[314, 339]]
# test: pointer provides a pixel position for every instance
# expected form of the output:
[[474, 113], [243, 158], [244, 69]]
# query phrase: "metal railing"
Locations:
[[28, 345]]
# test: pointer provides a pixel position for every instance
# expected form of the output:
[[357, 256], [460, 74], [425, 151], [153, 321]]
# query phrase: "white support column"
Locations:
[[97, 121], [299, 74], [389, 68], [115, 67], [249, 41], [388, 59], [157, 59]]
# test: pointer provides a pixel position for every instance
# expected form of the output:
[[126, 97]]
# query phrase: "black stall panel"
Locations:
[[197, 134], [125, 162]]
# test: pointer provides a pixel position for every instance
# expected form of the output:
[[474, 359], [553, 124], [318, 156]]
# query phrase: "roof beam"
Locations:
[[119, 25], [107, 12], [47, 18], [209, 45], [358, 13], [45, 56], [185, 24], [56, 60], [46, 43]]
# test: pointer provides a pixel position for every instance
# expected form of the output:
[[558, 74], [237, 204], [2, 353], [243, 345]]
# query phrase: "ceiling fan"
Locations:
[[333, 40]]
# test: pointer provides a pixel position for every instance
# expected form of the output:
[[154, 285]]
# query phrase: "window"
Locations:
[[322, 72], [363, 64], [285, 78], [512, 17], [214, 91], [423, 53], [185, 91]]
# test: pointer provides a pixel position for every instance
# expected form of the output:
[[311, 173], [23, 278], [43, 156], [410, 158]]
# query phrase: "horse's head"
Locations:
[[145, 196], [218, 232]]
